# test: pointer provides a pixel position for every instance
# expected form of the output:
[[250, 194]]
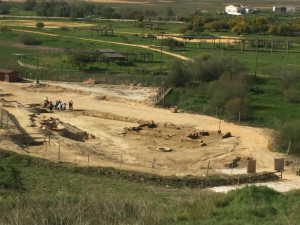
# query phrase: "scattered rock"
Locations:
[[91, 136], [133, 128], [164, 149], [171, 125], [204, 133], [234, 163], [203, 144], [227, 135], [100, 97], [287, 163], [149, 124], [194, 135], [89, 81], [174, 109]]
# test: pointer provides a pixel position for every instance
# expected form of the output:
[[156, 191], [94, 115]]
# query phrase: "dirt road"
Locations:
[[110, 42]]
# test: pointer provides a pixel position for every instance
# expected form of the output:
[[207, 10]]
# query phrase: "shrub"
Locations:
[[29, 4], [227, 87], [182, 29], [238, 105], [172, 43], [177, 76], [212, 67], [293, 95], [5, 29], [39, 25], [26, 39], [64, 28], [290, 132], [4, 8], [10, 178], [288, 75], [151, 36]]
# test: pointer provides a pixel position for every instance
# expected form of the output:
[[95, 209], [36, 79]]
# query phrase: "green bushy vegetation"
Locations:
[[55, 193], [10, 178], [290, 133], [27, 39]]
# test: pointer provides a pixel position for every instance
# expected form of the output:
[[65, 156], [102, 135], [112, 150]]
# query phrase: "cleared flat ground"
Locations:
[[114, 131]]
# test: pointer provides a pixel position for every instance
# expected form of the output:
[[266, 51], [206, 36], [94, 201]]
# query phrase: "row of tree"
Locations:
[[81, 9], [240, 24]]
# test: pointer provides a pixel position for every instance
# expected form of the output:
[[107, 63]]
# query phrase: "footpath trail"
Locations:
[[109, 42]]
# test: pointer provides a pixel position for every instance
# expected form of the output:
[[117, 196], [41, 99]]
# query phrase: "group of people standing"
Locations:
[[58, 105]]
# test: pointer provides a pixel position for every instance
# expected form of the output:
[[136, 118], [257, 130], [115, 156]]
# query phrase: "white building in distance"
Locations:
[[238, 9], [287, 9]]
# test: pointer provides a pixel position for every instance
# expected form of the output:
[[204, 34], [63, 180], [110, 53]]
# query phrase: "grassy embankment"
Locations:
[[34, 190]]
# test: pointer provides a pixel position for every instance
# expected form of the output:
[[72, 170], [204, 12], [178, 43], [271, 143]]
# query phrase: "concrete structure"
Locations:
[[8, 75], [287, 9], [238, 9]]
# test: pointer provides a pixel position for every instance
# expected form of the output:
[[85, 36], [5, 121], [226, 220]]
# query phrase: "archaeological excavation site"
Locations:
[[133, 135]]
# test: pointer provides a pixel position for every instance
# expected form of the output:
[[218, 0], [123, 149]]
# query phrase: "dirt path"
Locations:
[[109, 42]]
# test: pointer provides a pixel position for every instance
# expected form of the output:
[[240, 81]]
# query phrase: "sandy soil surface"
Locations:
[[288, 183], [116, 92], [224, 39], [128, 134], [48, 24]]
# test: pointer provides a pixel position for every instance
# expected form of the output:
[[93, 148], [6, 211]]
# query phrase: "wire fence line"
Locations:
[[113, 78], [182, 168], [236, 116], [4, 120]]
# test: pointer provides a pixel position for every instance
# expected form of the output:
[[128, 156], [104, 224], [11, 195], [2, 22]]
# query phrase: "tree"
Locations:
[[172, 43], [170, 12], [261, 24], [150, 13], [39, 25], [206, 68], [227, 87], [238, 107], [293, 94], [29, 4], [285, 30], [182, 29], [177, 75], [216, 25], [241, 27], [139, 17], [4, 7], [273, 29], [289, 75], [235, 20], [5, 29], [109, 13]]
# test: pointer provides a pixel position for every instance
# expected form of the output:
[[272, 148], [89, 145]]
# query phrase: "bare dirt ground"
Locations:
[[224, 39], [118, 131], [48, 24]]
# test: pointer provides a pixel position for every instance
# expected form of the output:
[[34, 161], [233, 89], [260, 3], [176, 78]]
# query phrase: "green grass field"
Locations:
[[269, 105], [36, 191]]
